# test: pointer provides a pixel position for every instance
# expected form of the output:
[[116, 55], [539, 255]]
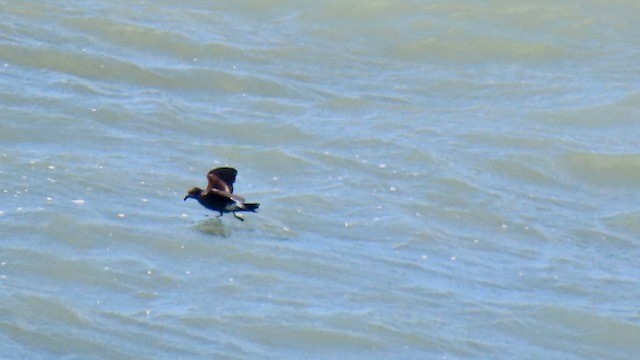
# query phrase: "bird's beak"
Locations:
[[186, 197]]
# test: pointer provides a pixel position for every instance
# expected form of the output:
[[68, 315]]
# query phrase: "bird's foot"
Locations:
[[238, 217]]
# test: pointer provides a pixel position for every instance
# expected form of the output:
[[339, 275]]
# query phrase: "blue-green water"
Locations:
[[438, 179]]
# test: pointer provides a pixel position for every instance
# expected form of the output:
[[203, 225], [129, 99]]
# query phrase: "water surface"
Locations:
[[437, 179]]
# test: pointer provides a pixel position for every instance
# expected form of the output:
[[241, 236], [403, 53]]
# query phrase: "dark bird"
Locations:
[[219, 196]]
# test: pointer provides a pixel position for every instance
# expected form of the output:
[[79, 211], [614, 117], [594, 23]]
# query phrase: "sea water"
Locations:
[[437, 179]]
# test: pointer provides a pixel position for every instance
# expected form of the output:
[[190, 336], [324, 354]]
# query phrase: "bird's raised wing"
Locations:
[[225, 176]]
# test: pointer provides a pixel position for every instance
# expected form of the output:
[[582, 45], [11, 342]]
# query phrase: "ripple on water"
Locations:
[[605, 170]]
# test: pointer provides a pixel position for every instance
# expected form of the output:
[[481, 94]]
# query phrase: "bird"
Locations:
[[219, 196]]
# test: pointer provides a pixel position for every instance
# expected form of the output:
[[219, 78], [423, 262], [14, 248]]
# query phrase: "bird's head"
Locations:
[[193, 193]]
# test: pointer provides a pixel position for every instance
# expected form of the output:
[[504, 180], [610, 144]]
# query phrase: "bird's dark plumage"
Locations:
[[218, 195]]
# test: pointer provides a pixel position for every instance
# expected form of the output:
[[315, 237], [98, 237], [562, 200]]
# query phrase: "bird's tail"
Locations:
[[249, 207], [238, 206]]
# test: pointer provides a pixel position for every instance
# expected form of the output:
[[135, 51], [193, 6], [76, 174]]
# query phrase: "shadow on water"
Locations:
[[213, 226]]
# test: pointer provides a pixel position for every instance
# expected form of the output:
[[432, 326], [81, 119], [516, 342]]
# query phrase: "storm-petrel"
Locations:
[[219, 195]]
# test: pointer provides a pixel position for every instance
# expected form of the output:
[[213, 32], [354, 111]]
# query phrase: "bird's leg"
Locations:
[[237, 216], [220, 214]]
